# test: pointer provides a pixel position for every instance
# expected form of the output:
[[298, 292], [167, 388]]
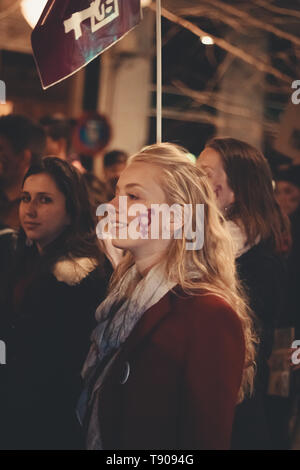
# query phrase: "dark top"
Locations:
[[9, 211], [264, 275], [7, 239], [47, 332], [292, 316]]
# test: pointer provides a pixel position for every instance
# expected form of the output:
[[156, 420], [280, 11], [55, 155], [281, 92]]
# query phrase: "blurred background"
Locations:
[[228, 69]]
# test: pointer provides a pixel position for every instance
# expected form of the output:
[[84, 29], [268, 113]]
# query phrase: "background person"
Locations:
[[21, 144], [59, 133], [288, 196], [58, 278], [242, 182], [114, 163], [58, 136]]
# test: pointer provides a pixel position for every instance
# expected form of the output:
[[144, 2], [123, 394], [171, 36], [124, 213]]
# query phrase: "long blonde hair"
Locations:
[[184, 183]]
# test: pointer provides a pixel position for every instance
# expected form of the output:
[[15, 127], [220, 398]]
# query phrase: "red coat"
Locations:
[[175, 383]]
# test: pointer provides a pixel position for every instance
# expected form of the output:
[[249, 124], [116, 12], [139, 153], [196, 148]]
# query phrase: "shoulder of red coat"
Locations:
[[206, 305]]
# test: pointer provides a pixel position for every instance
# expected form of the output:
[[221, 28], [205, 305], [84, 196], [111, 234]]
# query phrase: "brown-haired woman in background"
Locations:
[[242, 182], [58, 278]]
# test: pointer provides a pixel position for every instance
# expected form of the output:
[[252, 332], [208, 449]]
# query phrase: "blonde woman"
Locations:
[[173, 351]]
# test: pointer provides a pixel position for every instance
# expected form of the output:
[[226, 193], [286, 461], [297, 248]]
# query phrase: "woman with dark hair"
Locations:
[[242, 182], [58, 278]]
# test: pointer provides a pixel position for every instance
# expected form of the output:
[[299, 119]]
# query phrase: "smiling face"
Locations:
[[43, 214], [139, 182], [210, 161]]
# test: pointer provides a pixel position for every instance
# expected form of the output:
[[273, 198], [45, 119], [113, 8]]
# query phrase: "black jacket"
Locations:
[[292, 315], [263, 274], [7, 244], [47, 332]]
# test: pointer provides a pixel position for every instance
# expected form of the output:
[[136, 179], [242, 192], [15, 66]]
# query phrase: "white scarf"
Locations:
[[239, 238]]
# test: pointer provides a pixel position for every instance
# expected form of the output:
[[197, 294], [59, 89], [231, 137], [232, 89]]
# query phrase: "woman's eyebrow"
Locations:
[[40, 193], [132, 185]]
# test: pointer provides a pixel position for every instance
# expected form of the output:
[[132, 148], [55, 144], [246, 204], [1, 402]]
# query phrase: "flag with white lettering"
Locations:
[[71, 33]]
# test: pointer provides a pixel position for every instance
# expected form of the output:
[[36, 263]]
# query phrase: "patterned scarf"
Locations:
[[116, 315]]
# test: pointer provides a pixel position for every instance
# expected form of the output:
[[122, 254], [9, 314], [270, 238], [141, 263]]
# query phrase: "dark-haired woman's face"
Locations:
[[211, 163], [43, 214]]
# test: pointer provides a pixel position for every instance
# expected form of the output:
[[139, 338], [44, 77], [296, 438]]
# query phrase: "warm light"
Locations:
[[6, 108], [191, 157], [32, 10], [207, 40], [146, 3]]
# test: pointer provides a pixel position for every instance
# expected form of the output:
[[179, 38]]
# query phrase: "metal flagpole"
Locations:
[[158, 74]]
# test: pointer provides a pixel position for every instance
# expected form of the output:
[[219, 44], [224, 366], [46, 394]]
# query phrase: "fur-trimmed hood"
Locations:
[[73, 271]]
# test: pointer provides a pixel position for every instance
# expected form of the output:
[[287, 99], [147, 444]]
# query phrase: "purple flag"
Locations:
[[71, 33]]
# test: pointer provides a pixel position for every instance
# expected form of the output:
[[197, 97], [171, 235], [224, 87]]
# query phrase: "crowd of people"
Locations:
[[140, 342]]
